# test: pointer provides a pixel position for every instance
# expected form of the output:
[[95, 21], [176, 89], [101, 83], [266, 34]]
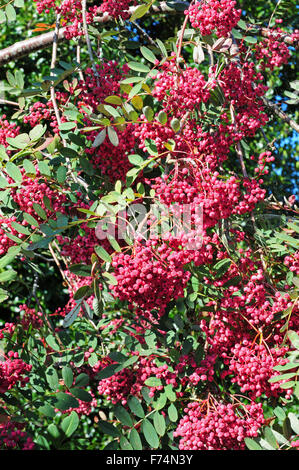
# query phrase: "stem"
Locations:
[[87, 39], [53, 63]]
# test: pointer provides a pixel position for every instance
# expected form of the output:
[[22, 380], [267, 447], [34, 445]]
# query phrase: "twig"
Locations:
[[87, 39], [78, 59], [11, 103], [144, 33], [275, 109], [53, 64], [59, 267]]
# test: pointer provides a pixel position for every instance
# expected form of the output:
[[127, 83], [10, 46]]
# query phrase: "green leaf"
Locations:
[[10, 12], [115, 245], [162, 47], [68, 376], [3, 295], [52, 342], [30, 219], [108, 428], [107, 372], [39, 210], [294, 422], [20, 228], [250, 39], [136, 407], [153, 382], [7, 276], [53, 431], [111, 279], [136, 159], [82, 292], [280, 413], [159, 423], [294, 338], [114, 100], [112, 111], [150, 434], [61, 174], [175, 124], [113, 137], [103, 254], [70, 424], [99, 139], [67, 126], [222, 266], [138, 67], [277, 378], [64, 401], [127, 363], [82, 395], [173, 413], [52, 378], [72, 315], [125, 444], [82, 380], [149, 113], [37, 132], [160, 402], [140, 11], [6, 259], [2, 16], [251, 444], [135, 440], [14, 172], [47, 410], [148, 54], [162, 117], [19, 3], [242, 24], [29, 167], [82, 270], [270, 438], [21, 141], [123, 416]]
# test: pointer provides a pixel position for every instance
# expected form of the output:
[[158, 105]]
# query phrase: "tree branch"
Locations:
[[275, 109], [36, 43]]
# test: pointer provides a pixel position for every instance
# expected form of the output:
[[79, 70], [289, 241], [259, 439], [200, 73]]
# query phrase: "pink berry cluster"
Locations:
[[43, 113], [292, 262], [252, 367], [218, 426], [219, 16], [7, 129], [71, 14], [180, 91], [151, 276], [13, 437], [130, 381], [13, 371], [117, 8], [272, 52]]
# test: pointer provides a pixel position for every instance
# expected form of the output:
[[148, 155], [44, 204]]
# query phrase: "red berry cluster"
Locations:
[[7, 129], [252, 367], [218, 426], [151, 276], [117, 8], [13, 437], [13, 371], [272, 52], [219, 16]]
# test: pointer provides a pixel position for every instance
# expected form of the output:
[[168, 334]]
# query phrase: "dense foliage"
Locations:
[[149, 229]]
